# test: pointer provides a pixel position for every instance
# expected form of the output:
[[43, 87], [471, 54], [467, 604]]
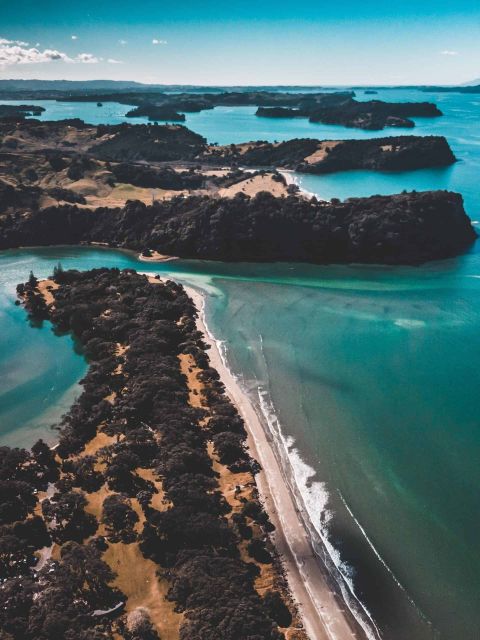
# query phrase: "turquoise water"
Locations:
[[372, 374], [110, 113], [39, 371], [226, 125]]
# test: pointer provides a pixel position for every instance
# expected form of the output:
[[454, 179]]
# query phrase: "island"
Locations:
[[469, 89], [19, 111], [371, 115], [333, 107], [154, 112], [111, 164]]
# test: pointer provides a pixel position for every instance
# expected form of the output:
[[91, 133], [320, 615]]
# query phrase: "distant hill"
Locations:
[[74, 86], [67, 85], [469, 88]]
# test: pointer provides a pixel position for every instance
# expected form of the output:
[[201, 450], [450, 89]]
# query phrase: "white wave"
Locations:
[[291, 178], [407, 323], [313, 496], [379, 557]]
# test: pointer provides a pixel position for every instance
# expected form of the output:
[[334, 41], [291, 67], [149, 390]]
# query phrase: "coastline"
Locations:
[[288, 174], [324, 613]]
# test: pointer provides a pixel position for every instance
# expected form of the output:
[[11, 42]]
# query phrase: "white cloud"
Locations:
[[122, 42], [16, 52], [448, 52], [113, 61], [156, 41], [19, 43], [74, 37], [87, 58]]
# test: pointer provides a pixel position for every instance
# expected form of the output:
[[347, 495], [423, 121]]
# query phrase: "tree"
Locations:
[[277, 609], [17, 500], [257, 550], [119, 518], [67, 518], [58, 272], [83, 472], [32, 281], [140, 627]]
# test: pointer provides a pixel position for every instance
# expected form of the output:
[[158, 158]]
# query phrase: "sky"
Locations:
[[212, 42]]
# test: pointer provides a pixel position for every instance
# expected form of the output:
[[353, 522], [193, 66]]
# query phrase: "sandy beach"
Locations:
[[323, 612], [155, 257]]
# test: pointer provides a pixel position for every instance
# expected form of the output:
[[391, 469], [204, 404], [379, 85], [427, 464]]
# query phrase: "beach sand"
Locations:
[[323, 612], [156, 257]]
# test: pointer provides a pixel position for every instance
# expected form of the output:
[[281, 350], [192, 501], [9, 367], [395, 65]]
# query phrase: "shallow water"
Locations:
[[372, 373]]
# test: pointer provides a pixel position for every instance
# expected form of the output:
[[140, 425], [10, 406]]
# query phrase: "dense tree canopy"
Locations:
[[153, 433]]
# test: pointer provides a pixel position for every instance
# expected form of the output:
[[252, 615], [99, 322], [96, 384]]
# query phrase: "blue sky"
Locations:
[[266, 42]]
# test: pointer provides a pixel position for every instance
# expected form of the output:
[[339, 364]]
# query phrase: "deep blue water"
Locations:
[[372, 373]]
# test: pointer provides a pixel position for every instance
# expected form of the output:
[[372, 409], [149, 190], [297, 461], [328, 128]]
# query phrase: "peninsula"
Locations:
[[408, 228], [146, 521], [304, 155]]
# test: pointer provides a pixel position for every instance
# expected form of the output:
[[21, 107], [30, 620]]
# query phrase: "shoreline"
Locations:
[[325, 614], [288, 174]]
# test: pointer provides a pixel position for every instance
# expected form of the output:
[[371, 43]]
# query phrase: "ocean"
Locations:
[[369, 376]]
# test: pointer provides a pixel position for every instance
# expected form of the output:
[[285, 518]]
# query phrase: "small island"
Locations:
[[156, 112], [20, 111]]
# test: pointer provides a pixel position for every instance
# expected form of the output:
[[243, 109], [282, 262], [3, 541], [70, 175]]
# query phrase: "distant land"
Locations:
[[13, 84], [119, 85], [470, 88]]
